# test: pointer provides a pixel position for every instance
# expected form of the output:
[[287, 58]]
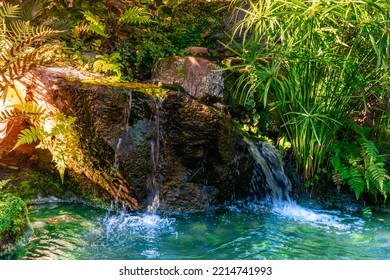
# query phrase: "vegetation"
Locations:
[[317, 64], [313, 75], [14, 224]]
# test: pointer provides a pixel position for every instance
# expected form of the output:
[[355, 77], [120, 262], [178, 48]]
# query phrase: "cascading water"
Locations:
[[148, 224], [269, 171], [268, 174], [152, 183]]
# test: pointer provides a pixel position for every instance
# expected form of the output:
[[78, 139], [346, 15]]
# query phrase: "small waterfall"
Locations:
[[152, 184], [269, 172]]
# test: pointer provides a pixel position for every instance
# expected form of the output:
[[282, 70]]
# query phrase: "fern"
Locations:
[[136, 15], [356, 181], [4, 183], [29, 135], [8, 10], [360, 166], [22, 47], [94, 24], [108, 64], [24, 110]]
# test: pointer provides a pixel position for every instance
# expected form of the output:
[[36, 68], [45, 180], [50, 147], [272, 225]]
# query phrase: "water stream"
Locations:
[[275, 228]]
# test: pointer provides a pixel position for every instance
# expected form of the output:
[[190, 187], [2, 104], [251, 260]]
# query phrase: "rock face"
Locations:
[[199, 77], [146, 153]]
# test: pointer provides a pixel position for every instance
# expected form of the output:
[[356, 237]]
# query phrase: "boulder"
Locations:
[[199, 77], [164, 151]]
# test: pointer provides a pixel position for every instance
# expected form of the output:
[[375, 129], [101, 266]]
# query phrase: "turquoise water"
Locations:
[[241, 231]]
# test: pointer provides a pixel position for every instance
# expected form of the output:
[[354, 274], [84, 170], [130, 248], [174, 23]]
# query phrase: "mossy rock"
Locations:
[[15, 227]]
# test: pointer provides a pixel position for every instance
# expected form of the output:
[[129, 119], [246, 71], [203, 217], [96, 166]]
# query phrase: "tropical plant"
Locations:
[[128, 15], [356, 162], [22, 47], [54, 132], [315, 63]]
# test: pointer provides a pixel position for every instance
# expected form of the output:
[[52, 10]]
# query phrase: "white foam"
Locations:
[[317, 218], [128, 223]]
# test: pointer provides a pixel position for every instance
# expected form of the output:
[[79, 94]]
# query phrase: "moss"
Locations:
[[147, 88], [32, 184], [14, 224]]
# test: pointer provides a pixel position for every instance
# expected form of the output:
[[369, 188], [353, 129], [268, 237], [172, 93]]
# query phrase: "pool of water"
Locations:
[[240, 231]]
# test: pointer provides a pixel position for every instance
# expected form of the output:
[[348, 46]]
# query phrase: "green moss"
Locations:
[[34, 184], [147, 88], [14, 223]]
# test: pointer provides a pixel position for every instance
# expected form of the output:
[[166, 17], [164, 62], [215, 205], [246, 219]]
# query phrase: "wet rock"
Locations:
[[135, 148], [205, 162], [199, 77]]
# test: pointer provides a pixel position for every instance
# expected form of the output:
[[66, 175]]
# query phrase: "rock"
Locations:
[[205, 162], [15, 227], [136, 149], [197, 51], [199, 77]]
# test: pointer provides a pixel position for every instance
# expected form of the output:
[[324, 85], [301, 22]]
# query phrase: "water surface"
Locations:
[[240, 231]]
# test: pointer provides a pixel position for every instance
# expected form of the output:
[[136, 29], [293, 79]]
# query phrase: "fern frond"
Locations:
[[356, 182], [136, 15], [95, 24], [337, 179], [10, 11], [370, 150], [32, 9], [60, 158], [29, 135], [22, 35], [23, 110]]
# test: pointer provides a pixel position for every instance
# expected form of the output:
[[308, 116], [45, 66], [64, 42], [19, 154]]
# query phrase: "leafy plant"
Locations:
[[108, 64], [4, 183], [129, 15], [60, 138], [313, 62], [358, 164], [22, 47]]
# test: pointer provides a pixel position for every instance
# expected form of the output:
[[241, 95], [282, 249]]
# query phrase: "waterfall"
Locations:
[[152, 184], [268, 172]]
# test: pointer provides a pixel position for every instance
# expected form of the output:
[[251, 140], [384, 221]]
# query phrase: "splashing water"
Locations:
[[269, 174]]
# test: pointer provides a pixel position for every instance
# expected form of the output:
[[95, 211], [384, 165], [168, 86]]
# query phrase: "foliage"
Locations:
[[130, 15], [55, 133], [23, 46], [13, 219], [194, 23], [356, 162], [108, 64], [313, 62], [34, 184], [4, 183]]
